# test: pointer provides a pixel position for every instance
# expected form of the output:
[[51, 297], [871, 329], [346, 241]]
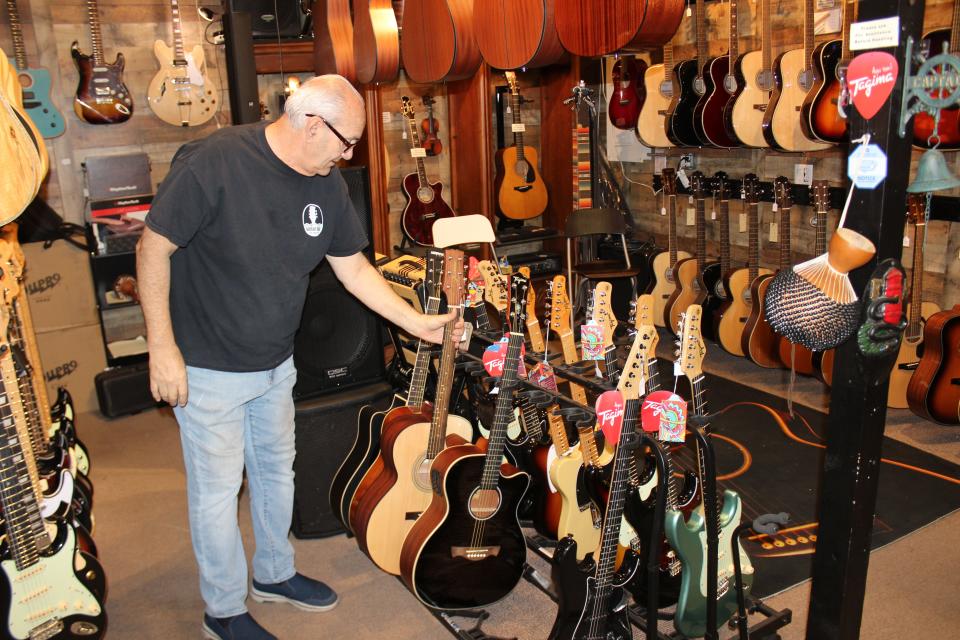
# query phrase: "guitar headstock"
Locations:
[[603, 311], [518, 296], [633, 379], [698, 185], [10, 272], [783, 193], [692, 348], [721, 185], [917, 208], [642, 310], [669, 178], [453, 277], [512, 81], [433, 281], [531, 294], [495, 285], [406, 107], [821, 195], [751, 188], [559, 306]]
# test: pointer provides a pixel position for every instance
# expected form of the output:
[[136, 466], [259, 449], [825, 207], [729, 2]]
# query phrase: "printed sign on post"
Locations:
[[867, 166]]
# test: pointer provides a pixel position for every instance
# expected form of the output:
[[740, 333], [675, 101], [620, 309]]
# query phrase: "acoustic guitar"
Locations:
[[793, 79], [515, 34], [687, 272], [591, 28], [333, 38], [376, 41], [22, 151], [102, 97], [934, 392], [664, 262], [754, 74], [425, 203], [734, 314], [911, 348], [34, 82], [628, 93], [467, 549], [658, 88], [181, 93], [429, 127], [923, 126], [711, 107], [439, 42], [684, 128], [819, 115], [521, 193], [713, 274], [759, 342]]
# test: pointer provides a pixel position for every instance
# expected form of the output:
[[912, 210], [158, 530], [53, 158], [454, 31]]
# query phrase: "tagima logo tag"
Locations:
[[312, 218]]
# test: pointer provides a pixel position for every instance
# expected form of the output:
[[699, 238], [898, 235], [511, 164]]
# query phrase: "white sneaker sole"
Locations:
[[263, 596]]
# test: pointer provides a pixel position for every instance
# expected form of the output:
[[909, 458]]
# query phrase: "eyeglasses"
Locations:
[[347, 145]]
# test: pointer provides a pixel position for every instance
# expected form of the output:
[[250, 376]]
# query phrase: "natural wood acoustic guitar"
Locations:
[[591, 28], [934, 390], [521, 192], [665, 262], [754, 74], [438, 41], [658, 88], [376, 41], [514, 34], [333, 38]]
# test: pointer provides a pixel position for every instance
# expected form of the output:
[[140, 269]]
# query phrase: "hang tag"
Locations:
[[495, 355], [867, 166], [774, 207], [906, 241], [774, 232], [509, 110], [713, 214], [677, 370], [609, 408], [742, 223], [663, 211], [673, 420], [542, 375], [691, 217], [418, 152], [591, 341], [689, 12], [404, 135], [518, 127], [689, 199], [652, 408], [474, 293]]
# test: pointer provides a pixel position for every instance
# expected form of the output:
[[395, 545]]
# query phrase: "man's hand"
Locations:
[[431, 327], [168, 376]]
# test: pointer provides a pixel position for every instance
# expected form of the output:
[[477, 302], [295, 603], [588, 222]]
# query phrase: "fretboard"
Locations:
[[701, 222], [96, 38], [954, 30], [179, 56], [415, 144], [441, 402], [701, 36], [724, 215], [753, 236], [668, 63], [783, 237], [16, 33], [672, 229], [914, 327], [515, 101], [418, 380], [807, 33], [733, 50], [503, 413], [766, 37]]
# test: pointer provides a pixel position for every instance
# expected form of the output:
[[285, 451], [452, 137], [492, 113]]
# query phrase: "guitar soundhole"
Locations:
[[521, 168], [765, 81], [730, 83], [484, 503], [699, 86], [805, 79], [421, 474], [719, 291], [425, 195], [747, 297], [666, 89]]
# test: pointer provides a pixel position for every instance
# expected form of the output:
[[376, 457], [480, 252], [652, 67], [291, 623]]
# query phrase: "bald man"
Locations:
[[236, 228]]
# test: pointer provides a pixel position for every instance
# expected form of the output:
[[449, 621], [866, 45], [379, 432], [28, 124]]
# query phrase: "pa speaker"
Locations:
[[273, 19], [339, 343], [326, 427], [241, 67]]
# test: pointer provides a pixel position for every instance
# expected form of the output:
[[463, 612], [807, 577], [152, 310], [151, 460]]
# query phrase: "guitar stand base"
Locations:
[[767, 628], [474, 633]]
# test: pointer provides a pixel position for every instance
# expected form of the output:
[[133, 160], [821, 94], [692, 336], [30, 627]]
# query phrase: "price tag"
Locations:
[[691, 217], [673, 420], [418, 152], [591, 341], [404, 135], [774, 232], [518, 127], [542, 375], [743, 223], [663, 211], [906, 241], [610, 414], [713, 214], [677, 370], [774, 207], [689, 199]]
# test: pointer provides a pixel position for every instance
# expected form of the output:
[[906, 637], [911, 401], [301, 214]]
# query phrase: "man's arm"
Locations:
[[365, 282], [168, 373]]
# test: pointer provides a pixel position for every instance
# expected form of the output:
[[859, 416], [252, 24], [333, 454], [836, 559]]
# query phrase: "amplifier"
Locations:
[[539, 263], [124, 390]]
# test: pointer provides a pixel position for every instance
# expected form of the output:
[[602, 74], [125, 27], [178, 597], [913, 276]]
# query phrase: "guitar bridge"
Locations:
[[47, 630], [474, 553], [523, 189]]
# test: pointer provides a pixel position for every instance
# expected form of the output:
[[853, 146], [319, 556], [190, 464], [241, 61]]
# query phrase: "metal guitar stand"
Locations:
[[768, 524], [474, 633]]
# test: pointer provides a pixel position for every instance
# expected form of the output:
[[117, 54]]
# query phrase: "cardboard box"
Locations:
[[71, 358], [59, 286]]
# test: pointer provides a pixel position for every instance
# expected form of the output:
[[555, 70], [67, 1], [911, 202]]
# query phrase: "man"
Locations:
[[237, 226]]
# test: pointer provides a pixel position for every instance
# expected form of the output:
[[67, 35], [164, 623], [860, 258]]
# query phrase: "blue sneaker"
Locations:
[[300, 591], [241, 627]]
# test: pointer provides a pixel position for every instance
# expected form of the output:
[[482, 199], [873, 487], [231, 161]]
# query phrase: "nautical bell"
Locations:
[[933, 174]]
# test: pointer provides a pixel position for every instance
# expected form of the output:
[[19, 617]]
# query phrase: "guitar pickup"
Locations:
[[474, 553], [523, 189]]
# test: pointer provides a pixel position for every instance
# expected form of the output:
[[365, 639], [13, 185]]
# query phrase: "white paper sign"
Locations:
[[518, 127], [875, 34], [418, 152]]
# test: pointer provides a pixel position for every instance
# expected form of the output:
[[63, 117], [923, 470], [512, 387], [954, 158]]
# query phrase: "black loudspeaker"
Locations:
[[124, 390], [339, 343], [325, 431], [272, 19], [241, 66]]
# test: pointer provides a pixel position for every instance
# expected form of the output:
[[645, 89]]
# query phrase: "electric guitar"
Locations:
[[496, 290], [712, 106], [181, 93], [425, 203], [948, 131], [684, 128], [533, 324], [665, 261], [102, 97], [819, 115], [658, 87], [754, 76], [34, 82], [734, 314], [560, 326], [521, 193], [467, 549], [911, 348], [793, 78], [628, 93], [712, 276], [687, 272], [688, 537]]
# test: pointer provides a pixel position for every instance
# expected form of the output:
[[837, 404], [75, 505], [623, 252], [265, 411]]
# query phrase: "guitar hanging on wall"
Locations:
[[754, 75], [683, 126], [628, 93], [102, 97], [181, 93], [430, 126], [521, 193], [658, 89], [712, 106], [35, 83], [819, 115]]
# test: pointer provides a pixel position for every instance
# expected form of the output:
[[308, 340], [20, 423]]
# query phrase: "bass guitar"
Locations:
[[684, 128], [102, 97], [712, 106], [658, 89], [628, 93], [376, 41], [911, 348], [181, 93], [34, 82], [333, 38], [425, 203], [753, 72], [759, 342], [515, 34], [933, 392], [521, 193], [664, 263], [688, 271], [820, 117], [467, 549], [716, 295], [439, 42], [948, 132]]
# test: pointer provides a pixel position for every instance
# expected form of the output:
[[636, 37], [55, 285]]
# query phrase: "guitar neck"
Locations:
[[16, 34], [733, 50], [672, 229], [441, 402], [569, 348], [699, 408], [418, 381], [807, 33], [701, 221], [96, 38], [668, 63], [414, 145], [766, 36], [502, 414], [724, 215], [701, 36], [753, 234], [558, 432], [784, 238], [954, 30], [914, 329], [517, 135], [179, 55], [848, 12]]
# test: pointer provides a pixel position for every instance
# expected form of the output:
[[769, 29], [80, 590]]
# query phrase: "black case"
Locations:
[[124, 390]]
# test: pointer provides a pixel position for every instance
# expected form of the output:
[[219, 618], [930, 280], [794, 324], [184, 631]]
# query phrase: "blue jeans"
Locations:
[[232, 420]]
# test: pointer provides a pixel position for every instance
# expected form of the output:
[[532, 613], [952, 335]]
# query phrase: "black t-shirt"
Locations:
[[250, 230]]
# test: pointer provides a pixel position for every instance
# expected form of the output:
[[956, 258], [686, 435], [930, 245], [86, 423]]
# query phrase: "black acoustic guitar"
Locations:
[[713, 273], [684, 128], [102, 97]]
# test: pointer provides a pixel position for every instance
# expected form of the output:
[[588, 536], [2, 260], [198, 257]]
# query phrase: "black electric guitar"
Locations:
[[684, 128], [467, 549], [102, 97], [713, 274]]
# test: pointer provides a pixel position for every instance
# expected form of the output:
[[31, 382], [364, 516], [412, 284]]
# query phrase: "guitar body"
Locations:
[[102, 97], [405, 462], [795, 356], [934, 389], [593, 28], [548, 504], [689, 539], [743, 113], [521, 193], [682, 123], [333, 39], [819, 117], [710, 109], [823, 366], [759, 342], [625, 103], [666, 284], [438, 40], [734, 314], [689, 291], [651, 123], [580, 517], [949, 129], [434, 562], [715, 297], [182, 96], [35, 85], [781, 125], [513, 34], [577, 591], [21, 149], [364, 451], [425, 205], [907, 359], [376, 41]]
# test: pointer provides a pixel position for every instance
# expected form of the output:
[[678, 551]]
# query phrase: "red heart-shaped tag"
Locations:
[[610, 414], [870, 79], [495, 355]]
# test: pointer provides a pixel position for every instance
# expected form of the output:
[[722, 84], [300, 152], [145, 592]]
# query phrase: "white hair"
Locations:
[[327, 96]]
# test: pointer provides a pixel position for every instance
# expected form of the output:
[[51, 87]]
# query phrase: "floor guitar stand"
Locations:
[[475, 632], [767, 524]]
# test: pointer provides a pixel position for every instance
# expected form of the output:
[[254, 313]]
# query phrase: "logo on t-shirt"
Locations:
[[312, 220]]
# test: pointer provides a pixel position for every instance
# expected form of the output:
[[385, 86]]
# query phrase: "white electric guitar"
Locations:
[[181, 94]]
